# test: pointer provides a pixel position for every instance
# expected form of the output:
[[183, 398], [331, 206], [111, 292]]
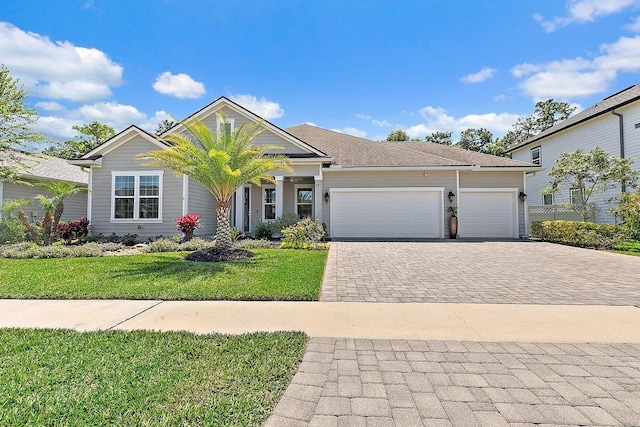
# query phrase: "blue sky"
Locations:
[[363, 68]]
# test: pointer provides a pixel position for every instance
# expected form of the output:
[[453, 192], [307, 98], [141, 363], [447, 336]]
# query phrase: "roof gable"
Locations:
[[121, 138], [223, 102]]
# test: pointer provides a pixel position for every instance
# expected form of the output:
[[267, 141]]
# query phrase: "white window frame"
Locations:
[[552, 201], [264, 202], [232, 122], [579, 198], [136, 196], [538, 161], [295, 195]]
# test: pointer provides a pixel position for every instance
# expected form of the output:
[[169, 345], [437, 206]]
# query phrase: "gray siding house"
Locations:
[[613, 124], [46, 168], [356, 187]]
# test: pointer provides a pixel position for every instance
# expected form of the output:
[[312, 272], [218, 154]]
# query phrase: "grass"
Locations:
[[273, 274], [66, 378], [630, 247]]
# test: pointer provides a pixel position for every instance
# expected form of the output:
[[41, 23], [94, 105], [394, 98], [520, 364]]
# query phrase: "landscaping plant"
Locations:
[[305, 234], [187, 224], [73, 230]]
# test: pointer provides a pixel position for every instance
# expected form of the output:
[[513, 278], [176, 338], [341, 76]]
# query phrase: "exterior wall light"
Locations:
[[326, 196], [522, 197], [451, 196]]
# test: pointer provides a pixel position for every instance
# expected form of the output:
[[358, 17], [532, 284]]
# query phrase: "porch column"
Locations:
[[279, 195], [317, 198], [240, 208]]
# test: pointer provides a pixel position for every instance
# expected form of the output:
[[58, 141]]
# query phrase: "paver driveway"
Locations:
[[515, 272], [345, 382]]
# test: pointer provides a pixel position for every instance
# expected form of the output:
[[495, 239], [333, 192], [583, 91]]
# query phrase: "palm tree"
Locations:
[[221, 162], [54, 206]]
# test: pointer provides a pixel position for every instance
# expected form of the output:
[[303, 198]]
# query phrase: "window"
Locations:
[[576, 196], [226, 127], [535, 156], [304, 201], [269, 202], [137, 196], [547, 199]]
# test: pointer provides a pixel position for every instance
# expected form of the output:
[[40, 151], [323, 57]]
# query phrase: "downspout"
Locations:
[[621, 126]]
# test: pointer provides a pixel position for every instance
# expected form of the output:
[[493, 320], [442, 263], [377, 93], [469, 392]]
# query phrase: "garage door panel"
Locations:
[[487, 214], [386, 214]]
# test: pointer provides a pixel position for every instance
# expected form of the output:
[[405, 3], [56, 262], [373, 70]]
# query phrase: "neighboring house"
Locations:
[[39, 168], [356, 187], [613, 124]]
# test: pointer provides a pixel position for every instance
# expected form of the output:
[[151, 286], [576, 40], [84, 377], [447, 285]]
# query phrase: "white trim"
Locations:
[[136, 196], [232, 122], [120, 139], [1, 200], [275, 202], [539, 148], [525, 206], [332, 191], [296, 187], [338, 168], [185, 194], [90, 196], [279, 196], [514, 191], [318, 197]]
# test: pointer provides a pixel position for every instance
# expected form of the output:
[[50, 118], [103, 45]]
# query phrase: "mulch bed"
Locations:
[[219, 255]]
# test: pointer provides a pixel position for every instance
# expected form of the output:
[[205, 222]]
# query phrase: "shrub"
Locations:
[[235, 234], [73, 230], [12, 231], [583, 234], [306, 246], [285, 221], [187, 224], [162, 245], [31, 250], [262, 230], [196, 244], [304, 231], [629, 209], [255, 244]]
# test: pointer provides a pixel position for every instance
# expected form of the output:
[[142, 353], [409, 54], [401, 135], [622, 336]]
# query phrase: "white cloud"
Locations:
[[578, 77], [381, 123], [482, 75], [437, 119], [49, 106], [57, 70], [581, 11], [354, 132], [112, 113], [262, 107], [500, 98], [56, 127], [151, 124], [179, 85], [634, 25]]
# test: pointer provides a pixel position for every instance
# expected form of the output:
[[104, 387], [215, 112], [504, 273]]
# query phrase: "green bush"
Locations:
[[262, 230], [12, 231], [305, 246], [196, 244], [254, 244], [31, 250], [127, 240], [629, 210], [305, 231], [162, 245], [583, 234], [628, 246]]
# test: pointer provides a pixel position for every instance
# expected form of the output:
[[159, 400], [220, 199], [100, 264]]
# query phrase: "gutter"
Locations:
[[621, 126]]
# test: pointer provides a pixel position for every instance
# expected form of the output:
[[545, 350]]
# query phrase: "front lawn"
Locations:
[[273, 274], [66, 378], [630, 247]]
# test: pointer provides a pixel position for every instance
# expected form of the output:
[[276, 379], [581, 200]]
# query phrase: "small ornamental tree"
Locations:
[[629, 209], [187, 224], [590, 173]]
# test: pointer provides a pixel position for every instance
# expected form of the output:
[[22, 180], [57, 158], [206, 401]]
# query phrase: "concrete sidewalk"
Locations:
[[477, 322]]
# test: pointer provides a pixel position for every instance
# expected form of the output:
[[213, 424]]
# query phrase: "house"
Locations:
[[356, 187], [39, 168], [613, 124]]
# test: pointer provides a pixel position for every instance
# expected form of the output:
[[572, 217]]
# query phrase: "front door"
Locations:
[[246, 210]]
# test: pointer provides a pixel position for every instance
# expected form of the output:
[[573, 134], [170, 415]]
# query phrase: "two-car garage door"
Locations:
[[387, 213], [419, 213]]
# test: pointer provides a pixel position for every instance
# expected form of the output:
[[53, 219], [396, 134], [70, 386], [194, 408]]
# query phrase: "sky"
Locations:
[[363, 68]]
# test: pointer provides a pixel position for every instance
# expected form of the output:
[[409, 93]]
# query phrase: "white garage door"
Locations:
[[488, 213], [387, 213]]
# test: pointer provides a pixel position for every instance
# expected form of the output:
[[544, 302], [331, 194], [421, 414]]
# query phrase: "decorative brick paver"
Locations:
[[515, 272], [410, 383]]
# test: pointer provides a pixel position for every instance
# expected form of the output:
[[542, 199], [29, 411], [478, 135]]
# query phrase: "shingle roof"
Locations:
[[619, 99], [350, 151], [47, 167]]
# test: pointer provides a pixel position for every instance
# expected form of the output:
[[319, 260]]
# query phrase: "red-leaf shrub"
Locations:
[[73, 229], [187, 224]]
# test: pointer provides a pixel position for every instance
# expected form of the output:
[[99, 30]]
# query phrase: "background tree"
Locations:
[[91, 135], [398, 135], [546, 114], [221, 162], [588, 174], [480, 140], [15, 125], [164, 126], [444, 138]]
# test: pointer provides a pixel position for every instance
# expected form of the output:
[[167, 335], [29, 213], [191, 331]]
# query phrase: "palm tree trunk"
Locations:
[[57, 214], [223, 234]]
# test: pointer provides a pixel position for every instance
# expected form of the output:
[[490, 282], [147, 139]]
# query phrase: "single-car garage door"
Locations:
[[387, 212], [488, 213]]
